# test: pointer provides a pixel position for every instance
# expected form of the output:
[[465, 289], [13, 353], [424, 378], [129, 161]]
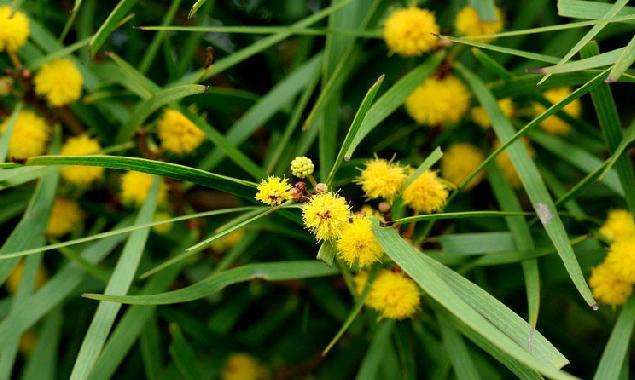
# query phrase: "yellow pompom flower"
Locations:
[[480, 117], [394, 295], [621, 259], [459, 161], [177, 133], [468, 23], [29, 136], [325, 215], [607, 287], [302, 167], [504, 162], [274, 191], [243, 367], [381, 179], [14, 29], [135, 187], [554, 124], [438, 101], [15, 278], [426, 193], [357, 244], [59, 81], [65, 216], [411, 31], [619, 224], [228, 241], [81, 146]]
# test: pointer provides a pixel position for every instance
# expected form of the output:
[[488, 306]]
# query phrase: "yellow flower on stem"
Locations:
[[29, 136], [81, 146], [177, 133], [59, 81], [469, 24], [608, 287], [381, 179], [426, 193], [357, 244], [302, 167], [411, 31], [621, 259], [438, 101], [459, 161], [64, 218], [14, 29], [619, 224], [274, 191], [135, 187], [325, 215]]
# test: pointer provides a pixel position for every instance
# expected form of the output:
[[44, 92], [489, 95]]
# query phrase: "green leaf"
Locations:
[[477, 243], [588, 9], [42, 362], [132, 79], [184, 356], [457, 351], [5, 139], [458, 215], [485, 9], [158, 39], [327, 252], [616, 348], [35, 64], [504, 50], [375, 355], [119, 283], [112, 22], [603, 59], [425, 165], [624, 61], [278, 271]]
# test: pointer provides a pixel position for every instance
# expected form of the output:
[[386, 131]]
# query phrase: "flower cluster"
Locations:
[[29, 137], [553, 124], [59, 81], [14, 29], [177, 133], [392, 294], [135, 187], [81, 146]]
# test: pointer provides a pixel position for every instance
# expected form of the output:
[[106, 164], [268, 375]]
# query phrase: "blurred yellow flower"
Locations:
[[619, 224], [59, 81], [13, 282], [621, 259], [394, 295], [14, 29], [64, 218], [30, 133], [438, 101], [426, 193], [177, 133], [480, 117], [161, 216], [81, 146], [607, 287], [459, 161], [504, 162], [228, 241], [135, 187], [243, 367], [469, 24], [553, 124], [411, 31]]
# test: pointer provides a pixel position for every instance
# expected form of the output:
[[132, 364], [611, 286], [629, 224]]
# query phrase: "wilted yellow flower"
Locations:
[[394, 295], [65, 216], [325, 215], [459, 161], [608, 287], [302, 167], [228, 241], [504, 162], [426, 193], [59, 81], [468, 23], [30, 133], [381, 179], [274, 191], [177, 133], [357, 244], [438, 101], [411, 31], [553, 124], [14, 29], [243, 367], [15, 278], [621, 259], [480, 117], [619, 224], [135, 187], [81, 146]]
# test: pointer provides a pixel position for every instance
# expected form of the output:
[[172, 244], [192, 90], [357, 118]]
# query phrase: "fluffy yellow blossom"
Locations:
[[325, 215], [426, 193], [81, 146], [553, 124], [243, 367], [411, 31], [64, 218], [274, 191], [302, 167], [504, 162], [621, 259], [177, 133], [228, 241], [480, 117], [381, 179], [357, 244], [30, 133], [459, 161], [607, 287], [438, 101], [161, 216], [59, 81], [393, 295], [13, 282], [14, 29], [619, 224], [468, 23], [135, 187]]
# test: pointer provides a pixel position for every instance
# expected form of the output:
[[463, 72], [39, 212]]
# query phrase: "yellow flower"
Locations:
[[325, 215], [394, 295], [504, 162], [438, 101], [177, 133], [65, 216], [357, 244], [426, 193], [274, 191], [553, 124], [59, 81], [621, 259], [607, 287], [14, 29], [619, 224], [135, 187], [480, 117], [468, 23], [30, 133], [243, 367], [13, 282], [381, 179], [81, 146], [228, 241], [302, 167], [161, 216], [411, 31], [459, 161]]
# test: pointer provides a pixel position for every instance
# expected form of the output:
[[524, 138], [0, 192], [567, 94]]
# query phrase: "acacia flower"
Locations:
[[553, 124], [608, 287], [135, 187], [619, 224], [29, 136], [621, 259], [302, 167], [14, 29], [381, 179], [459, 161], [274, 191], [392, 294], [177, 133], [480, 117], [438, 101], [325, 215], [65, 216], [357, 244], [81, 146], [59, 81], [241, 366], [411, 31], [468, 23], [426, 193]]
